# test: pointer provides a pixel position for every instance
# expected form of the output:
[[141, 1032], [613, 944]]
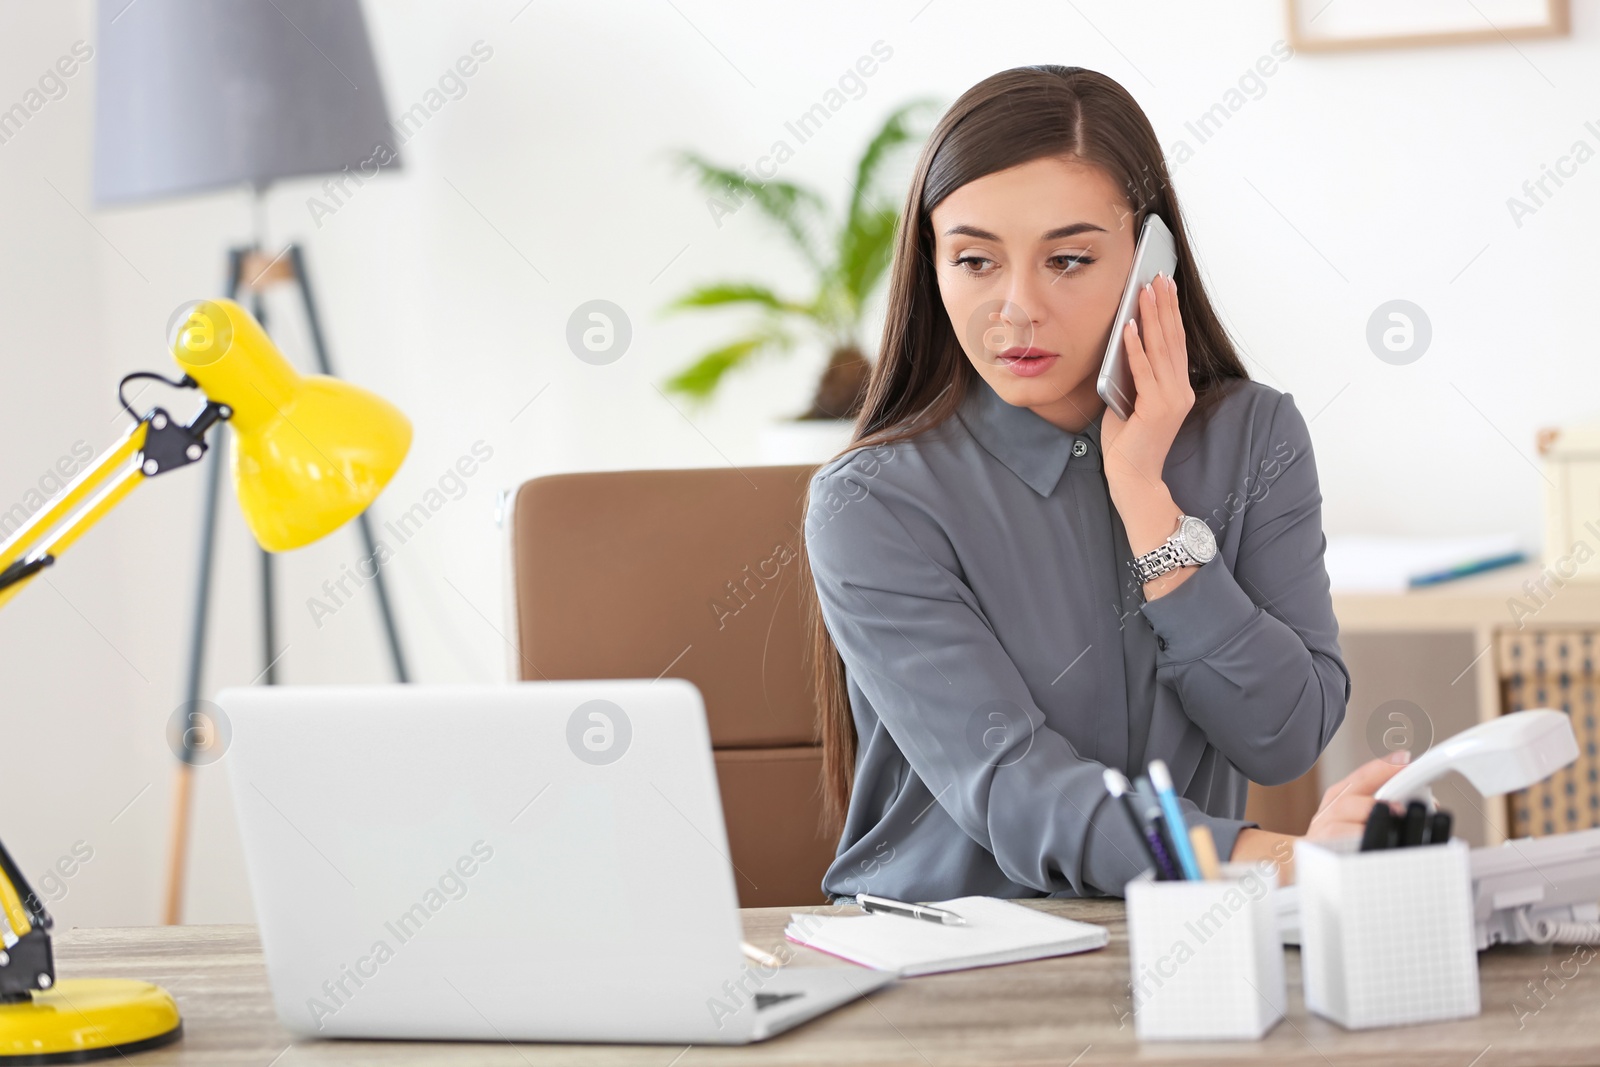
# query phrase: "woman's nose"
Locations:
[[1024, 301]]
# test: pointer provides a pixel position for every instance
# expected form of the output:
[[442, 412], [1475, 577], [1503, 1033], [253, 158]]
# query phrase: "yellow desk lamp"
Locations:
[[311, 453]]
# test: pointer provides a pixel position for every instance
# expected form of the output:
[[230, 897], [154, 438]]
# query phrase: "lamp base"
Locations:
[[84, 1019]]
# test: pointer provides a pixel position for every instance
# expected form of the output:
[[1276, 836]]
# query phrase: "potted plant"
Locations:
[[847, 258]]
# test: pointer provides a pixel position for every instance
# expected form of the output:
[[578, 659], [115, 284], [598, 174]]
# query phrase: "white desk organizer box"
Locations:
[[1207, 960], [1387, 937]]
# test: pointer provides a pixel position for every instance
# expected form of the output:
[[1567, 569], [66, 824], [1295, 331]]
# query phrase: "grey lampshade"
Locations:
[[193, 95]]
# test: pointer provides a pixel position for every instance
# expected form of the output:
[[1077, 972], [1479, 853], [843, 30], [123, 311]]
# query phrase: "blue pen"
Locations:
[[1161, 782], [1465, 569]]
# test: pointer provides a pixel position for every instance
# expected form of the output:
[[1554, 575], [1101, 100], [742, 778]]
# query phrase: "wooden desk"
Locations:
[[1074, 1010]]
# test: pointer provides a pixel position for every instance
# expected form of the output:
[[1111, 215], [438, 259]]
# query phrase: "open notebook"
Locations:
[[997, 931]]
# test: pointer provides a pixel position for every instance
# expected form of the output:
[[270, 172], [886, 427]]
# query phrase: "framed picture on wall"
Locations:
[[1342, 25]]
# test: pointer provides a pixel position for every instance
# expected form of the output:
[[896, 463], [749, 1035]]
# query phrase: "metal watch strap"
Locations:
[[1165, 557], [1153, 564]]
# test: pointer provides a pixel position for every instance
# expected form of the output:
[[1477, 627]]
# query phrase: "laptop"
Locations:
[[543, 861]]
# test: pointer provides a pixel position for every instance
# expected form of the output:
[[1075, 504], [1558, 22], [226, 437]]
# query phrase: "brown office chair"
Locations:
[[1286, 808], [690, 574]]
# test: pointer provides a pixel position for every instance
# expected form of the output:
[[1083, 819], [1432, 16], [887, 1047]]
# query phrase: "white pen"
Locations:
[[869, 903]]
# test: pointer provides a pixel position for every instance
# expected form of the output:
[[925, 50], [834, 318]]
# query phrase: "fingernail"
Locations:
[[1399, 757]]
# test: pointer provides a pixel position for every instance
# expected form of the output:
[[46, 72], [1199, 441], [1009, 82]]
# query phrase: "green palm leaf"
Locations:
[[724, 294], [897, 131], [701, 378], [848, 266], [796, 209], [866, 248]]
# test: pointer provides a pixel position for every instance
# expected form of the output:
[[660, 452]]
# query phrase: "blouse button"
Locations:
[[1080, 447], [1161, 643]]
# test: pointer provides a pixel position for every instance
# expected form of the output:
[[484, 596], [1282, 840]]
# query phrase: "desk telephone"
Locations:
[[1531, 889]]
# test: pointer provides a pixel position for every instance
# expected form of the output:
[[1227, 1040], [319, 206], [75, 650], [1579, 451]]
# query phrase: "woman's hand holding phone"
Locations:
[[1136, 448]]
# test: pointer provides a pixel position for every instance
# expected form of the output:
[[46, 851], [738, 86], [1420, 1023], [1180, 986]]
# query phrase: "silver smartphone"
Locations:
[[1155, 254]]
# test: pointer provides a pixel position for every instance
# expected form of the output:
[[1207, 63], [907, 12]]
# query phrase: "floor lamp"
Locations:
[[195, 96]]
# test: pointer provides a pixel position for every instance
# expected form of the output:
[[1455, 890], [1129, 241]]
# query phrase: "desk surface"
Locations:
[[1073, 1010]]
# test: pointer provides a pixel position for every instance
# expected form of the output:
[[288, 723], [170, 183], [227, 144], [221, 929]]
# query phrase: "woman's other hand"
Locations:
[[1343, 813], [1347, 803]]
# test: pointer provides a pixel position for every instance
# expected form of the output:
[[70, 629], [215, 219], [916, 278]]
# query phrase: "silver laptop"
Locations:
[[543, 861]]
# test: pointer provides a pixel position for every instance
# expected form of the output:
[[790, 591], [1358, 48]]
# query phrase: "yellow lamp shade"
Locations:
[[311, 452]]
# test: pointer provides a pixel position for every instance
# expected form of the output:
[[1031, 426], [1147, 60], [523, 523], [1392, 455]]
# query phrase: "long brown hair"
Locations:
[[921, 373]]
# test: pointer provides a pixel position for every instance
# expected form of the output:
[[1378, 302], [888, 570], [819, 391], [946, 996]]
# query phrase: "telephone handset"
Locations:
[[1499, 756], [1538, 889]]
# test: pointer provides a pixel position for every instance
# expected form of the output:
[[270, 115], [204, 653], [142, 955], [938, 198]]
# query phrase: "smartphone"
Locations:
[[1155, 254]]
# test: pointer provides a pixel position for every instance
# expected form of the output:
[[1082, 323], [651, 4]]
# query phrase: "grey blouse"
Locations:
[[999, 653]]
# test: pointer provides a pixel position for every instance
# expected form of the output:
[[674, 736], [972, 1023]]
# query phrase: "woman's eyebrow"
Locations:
[[1051, 235], [1074, 229]]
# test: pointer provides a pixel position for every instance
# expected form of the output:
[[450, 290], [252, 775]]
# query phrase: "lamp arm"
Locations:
[[157, 442], [154, 445], [15, 568], [26, 962]]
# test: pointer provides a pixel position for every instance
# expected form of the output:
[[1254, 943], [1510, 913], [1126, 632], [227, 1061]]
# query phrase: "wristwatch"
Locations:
[[1192, 543]]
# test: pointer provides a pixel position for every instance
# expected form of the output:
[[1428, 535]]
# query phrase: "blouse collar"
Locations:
[[1031, 446]]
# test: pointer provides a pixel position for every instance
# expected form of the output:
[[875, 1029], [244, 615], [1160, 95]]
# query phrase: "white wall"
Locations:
[[1350, 181]]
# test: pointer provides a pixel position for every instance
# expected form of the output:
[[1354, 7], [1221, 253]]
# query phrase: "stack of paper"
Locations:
[[997, 931], [1394, 564]]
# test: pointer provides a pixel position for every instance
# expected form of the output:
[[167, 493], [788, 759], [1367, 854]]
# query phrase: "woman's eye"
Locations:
[[1067, 263]]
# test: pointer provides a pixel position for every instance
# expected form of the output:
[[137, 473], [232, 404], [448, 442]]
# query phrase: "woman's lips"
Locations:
[[1027, 362]]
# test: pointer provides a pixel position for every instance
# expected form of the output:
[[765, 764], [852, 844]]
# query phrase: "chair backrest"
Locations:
[[690, 574]]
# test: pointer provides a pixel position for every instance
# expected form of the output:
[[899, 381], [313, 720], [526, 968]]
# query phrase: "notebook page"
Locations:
[[997, 931]]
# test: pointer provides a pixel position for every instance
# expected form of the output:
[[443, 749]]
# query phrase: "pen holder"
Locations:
[[1207, 960], [1386, 937]]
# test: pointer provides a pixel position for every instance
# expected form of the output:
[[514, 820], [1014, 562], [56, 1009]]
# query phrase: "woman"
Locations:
[[983, 647]]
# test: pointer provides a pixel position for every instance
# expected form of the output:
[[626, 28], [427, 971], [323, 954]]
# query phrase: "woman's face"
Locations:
[[1031, 263]]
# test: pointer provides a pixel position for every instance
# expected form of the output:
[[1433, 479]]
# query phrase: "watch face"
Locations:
[[1198, 540]]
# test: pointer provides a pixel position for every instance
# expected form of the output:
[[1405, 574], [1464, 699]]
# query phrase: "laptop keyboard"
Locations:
[[767, 1000]]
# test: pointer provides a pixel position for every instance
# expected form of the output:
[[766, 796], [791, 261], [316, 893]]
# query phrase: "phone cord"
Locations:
[[1550, 932]]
